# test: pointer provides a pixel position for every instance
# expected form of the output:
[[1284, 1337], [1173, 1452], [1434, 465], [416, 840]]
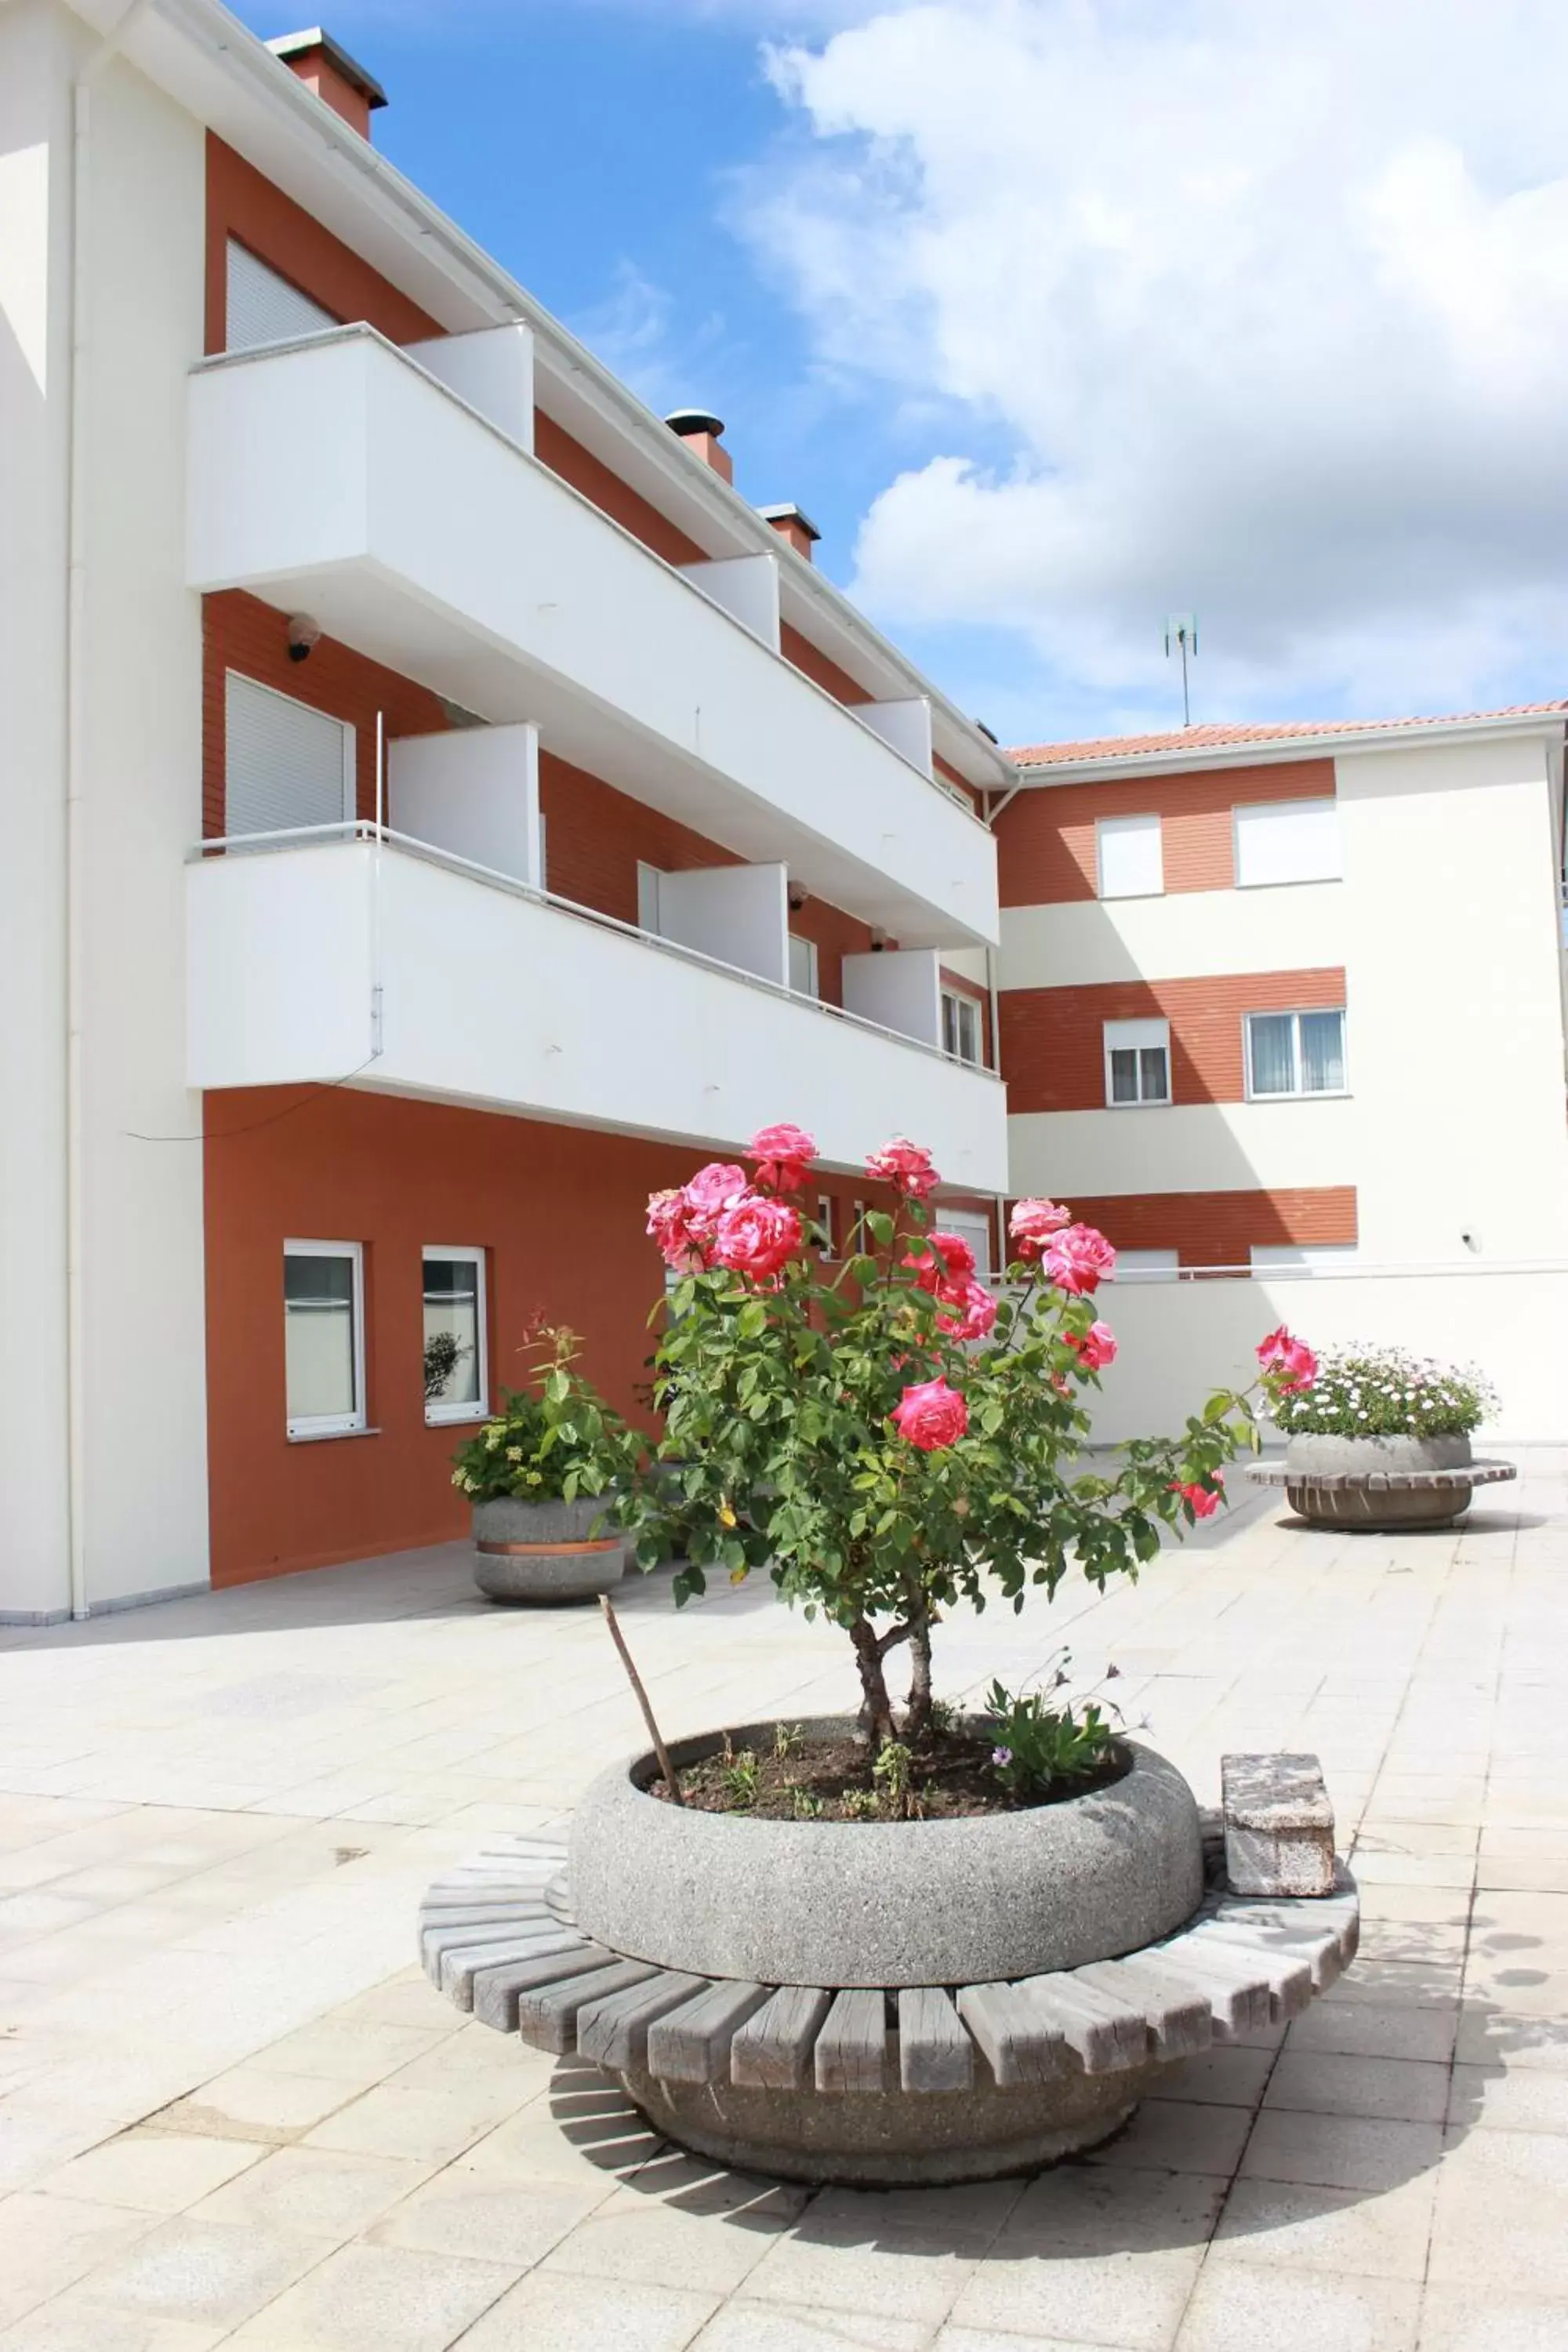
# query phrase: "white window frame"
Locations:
[[1146, 1265], [310, 1426], [1137, 1037], [963, 1005], [437, 1414], [826, 1220], [649, 880], [1110, 825], [812, 990], [1316, 800], [1293, 1013]]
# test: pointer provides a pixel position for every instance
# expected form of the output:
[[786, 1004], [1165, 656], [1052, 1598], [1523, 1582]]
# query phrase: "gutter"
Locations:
[[1272, 750], [75, 809]]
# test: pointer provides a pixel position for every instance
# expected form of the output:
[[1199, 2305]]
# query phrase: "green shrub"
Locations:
[[551, 1445], [1384, 1393]]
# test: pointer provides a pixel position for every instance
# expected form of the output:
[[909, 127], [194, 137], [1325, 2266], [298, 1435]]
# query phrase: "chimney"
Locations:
[[325, 67], [792, 522], [701, 433]]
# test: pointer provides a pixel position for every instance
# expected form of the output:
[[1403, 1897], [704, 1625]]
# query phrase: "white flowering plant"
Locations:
[[551, 1444], [1367, 1391]]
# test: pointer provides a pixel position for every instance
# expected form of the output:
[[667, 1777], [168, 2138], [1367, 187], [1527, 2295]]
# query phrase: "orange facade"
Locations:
[[1220, 1228]]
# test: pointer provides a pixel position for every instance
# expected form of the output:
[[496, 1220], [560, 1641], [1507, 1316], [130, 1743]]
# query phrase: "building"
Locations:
[[435, 806], [1287, 1001]]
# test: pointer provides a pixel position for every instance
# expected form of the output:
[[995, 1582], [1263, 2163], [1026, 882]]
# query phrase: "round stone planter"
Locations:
[[546, 1553], [1348, 1481]]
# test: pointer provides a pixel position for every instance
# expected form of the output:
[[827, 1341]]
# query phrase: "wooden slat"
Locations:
[[1289, 1978], [459, 1967], [1319, 1952], [1178, 2015], [436, 1942], [691, 2044], [851, 2051], [772, 2051], [1021, 2045], [547, 2014], [496, 1990], [936, 2053], [1250, 2006], [1104, 2033], [613, 2030]]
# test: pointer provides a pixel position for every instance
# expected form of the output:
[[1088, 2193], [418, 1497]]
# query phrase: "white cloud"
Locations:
[[1266, 306]]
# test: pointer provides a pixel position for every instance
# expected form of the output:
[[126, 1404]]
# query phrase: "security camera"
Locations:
[[878, 941], [304, 632], [797, 897]]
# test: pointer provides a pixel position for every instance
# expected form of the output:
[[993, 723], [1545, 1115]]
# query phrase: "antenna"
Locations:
[[1182, 635]]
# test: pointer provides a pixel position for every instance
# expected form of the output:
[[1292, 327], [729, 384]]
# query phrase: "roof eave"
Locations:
[[1275, 750]]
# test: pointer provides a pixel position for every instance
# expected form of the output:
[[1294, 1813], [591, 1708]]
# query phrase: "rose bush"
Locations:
[[891, 1437]]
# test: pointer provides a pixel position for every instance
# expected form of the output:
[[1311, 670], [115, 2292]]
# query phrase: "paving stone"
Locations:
[[1236, 2309], [372, 2298], [1342, 2231], [550, 2311], [314, 2191]]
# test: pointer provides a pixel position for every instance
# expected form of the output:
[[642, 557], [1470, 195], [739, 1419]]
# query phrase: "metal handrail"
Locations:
[[354, 829]]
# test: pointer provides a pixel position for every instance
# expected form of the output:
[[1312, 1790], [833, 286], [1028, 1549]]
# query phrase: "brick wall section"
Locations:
[[241, 633], [242, 204], [555, 447], [1220, 1228], [1053, 1048], [1044, 838]]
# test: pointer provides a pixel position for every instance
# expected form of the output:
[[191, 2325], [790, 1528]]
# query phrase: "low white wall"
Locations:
[[901, 988], [1180, 1340], [1186, 935], [473, 791]]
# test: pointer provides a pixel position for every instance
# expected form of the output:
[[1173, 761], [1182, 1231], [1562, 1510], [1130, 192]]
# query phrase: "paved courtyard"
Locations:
[[232, 2111]]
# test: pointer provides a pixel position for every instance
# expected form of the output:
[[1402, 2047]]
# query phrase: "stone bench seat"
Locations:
[[1382, 1482]]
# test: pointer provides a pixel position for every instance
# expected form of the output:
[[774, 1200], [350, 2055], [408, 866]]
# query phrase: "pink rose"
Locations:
[[906, 1166], [1032, 1222], [713, 1188], [1201, 1501], [969, 1311], [1095, 1349], [757, 1236], [930, 1416], [957, 1259], [669, 1223], [1287, 1363], [782, 1155], [1078, 1259]]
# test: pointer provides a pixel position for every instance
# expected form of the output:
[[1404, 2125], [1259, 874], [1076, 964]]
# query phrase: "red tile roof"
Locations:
[[1214, 738]]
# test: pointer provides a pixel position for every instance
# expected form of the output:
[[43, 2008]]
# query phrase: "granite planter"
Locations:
[[890, 1908], [1359, 1467], [546, 1553]]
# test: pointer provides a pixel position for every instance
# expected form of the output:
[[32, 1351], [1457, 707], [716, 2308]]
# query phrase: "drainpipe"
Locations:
[[75, 794]]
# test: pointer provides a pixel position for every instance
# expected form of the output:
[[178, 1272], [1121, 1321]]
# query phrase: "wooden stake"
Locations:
[[672, 1784]]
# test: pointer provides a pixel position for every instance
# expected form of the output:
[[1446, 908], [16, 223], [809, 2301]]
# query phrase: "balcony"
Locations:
[[337, 476], [392, 961]]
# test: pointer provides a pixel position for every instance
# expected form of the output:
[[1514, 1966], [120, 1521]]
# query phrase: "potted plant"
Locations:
[[544, 1477], [892, 1441], [1376, 1414]]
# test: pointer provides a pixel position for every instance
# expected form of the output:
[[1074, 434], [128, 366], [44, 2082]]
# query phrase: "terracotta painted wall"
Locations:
[[242, 204], [1044, 838], [561, 1212], [1220, 1228], [241, 633], [1053, 1047]]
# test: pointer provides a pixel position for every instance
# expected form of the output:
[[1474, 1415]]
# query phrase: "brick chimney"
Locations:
[[701, 433], [325, 67], [792, 522]]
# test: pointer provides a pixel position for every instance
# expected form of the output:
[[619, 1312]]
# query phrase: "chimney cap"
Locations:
[[289, 46], [688, 420], [790, 512]]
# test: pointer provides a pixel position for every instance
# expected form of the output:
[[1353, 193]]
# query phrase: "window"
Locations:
[[973, 1226], [1127, 853], [823, 1242], [1137, 1063], [263, 308], [1311, 1257], [1295, 1053], [647, 897], [1145, 1265], [802, 966], [1287, 841], [960, 1026], [323, 1338], [543, 852], [456, 1384], [285, 765]]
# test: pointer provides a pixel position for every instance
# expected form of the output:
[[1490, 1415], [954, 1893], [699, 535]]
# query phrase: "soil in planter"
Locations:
[[951, 1775]]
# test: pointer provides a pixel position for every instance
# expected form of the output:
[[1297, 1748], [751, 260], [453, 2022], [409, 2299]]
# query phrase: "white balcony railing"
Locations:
[[350, 952], [338, 476]]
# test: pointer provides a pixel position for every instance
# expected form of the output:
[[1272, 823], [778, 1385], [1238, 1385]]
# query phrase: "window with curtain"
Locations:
[[455, 1380], [323, 1338], [1137, 1063], [1296, 1053], [960, 1026]]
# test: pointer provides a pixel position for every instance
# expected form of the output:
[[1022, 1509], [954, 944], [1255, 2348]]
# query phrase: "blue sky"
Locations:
[[1058, 317]]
